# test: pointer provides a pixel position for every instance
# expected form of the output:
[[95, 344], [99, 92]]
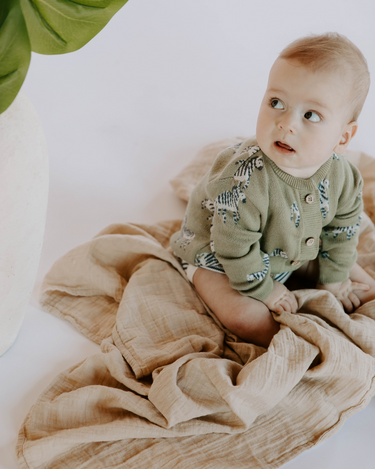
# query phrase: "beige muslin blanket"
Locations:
[[171, 388]]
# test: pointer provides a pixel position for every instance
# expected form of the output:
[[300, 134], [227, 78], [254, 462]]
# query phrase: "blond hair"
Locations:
[[332, 51]]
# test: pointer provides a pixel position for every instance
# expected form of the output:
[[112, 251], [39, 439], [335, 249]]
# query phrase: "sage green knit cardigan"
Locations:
[[252, 221]]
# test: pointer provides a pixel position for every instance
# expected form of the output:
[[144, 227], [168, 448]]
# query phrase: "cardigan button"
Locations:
[[295, 263], [309, 199], [310, 241]]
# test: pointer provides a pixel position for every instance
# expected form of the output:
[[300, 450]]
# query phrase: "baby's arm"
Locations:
[[339, 240], [237, 249], [235, 243]]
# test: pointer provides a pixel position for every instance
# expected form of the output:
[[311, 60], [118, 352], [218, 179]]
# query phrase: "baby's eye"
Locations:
[[312, 116], [277, 104]]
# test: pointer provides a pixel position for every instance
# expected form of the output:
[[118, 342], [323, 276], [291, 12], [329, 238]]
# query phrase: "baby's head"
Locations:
[[315, 93]]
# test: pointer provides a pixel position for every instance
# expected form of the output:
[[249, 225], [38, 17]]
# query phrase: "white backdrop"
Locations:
[[123, 115]]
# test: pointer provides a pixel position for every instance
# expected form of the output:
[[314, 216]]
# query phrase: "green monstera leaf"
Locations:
[[47, 27], [15, 51]]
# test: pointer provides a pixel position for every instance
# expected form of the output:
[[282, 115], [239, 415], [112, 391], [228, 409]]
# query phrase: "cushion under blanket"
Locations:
[[171, 387]]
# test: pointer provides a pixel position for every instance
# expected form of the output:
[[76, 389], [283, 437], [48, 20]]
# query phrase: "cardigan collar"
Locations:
[[298, 183]]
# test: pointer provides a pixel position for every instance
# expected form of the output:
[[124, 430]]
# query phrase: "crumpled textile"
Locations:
[[171, 388]]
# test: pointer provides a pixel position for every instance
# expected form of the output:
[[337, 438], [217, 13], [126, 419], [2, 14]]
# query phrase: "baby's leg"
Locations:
[[357, 274], [248, 318]]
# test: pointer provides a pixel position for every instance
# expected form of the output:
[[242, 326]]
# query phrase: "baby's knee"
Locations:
[[253, 323]]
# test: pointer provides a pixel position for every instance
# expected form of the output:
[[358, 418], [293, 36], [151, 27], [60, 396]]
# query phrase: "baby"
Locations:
[[287, 200]]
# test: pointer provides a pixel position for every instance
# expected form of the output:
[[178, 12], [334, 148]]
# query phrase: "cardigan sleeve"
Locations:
[[235, 243], [339, 239]]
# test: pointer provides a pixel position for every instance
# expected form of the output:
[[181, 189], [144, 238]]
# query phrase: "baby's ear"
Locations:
[[348, 133]]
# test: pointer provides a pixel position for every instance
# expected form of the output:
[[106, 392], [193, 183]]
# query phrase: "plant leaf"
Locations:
[[61, 26], [47, 27], [15, 51]]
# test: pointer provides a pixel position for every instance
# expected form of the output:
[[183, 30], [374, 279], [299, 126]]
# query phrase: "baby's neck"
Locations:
[[302, 173]]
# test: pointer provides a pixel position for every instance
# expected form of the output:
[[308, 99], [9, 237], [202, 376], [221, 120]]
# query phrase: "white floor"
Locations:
[[122, 116]]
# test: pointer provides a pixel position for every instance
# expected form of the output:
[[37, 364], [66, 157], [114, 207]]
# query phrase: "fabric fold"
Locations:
[[171, 388]]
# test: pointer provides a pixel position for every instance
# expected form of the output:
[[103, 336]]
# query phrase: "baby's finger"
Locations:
[[347, 304], [291, 299], [278, 309], [359, 286], [286, 305], [354, 299]]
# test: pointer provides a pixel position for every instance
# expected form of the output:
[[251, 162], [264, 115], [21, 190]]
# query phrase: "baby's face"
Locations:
[[304, 117]]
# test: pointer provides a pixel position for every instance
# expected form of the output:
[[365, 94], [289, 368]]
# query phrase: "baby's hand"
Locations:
[[344, 292], [281, 299]]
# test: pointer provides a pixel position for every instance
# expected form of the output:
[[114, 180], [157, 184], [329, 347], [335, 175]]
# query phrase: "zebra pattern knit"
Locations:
[[252, 221]]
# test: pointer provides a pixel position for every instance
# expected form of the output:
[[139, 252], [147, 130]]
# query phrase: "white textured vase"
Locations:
[[23, 204]]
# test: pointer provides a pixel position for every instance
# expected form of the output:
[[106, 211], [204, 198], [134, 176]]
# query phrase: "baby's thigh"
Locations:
[[215, 290], [226, 302], [246, 317]]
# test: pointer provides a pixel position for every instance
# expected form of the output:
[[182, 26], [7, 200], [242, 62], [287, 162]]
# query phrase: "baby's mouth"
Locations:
[[284, 146]]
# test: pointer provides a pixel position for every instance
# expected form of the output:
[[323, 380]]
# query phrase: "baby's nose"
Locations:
[[287, 123]]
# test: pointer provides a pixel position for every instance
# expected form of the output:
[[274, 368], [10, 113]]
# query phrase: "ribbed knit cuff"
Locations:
[[262, 291]]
